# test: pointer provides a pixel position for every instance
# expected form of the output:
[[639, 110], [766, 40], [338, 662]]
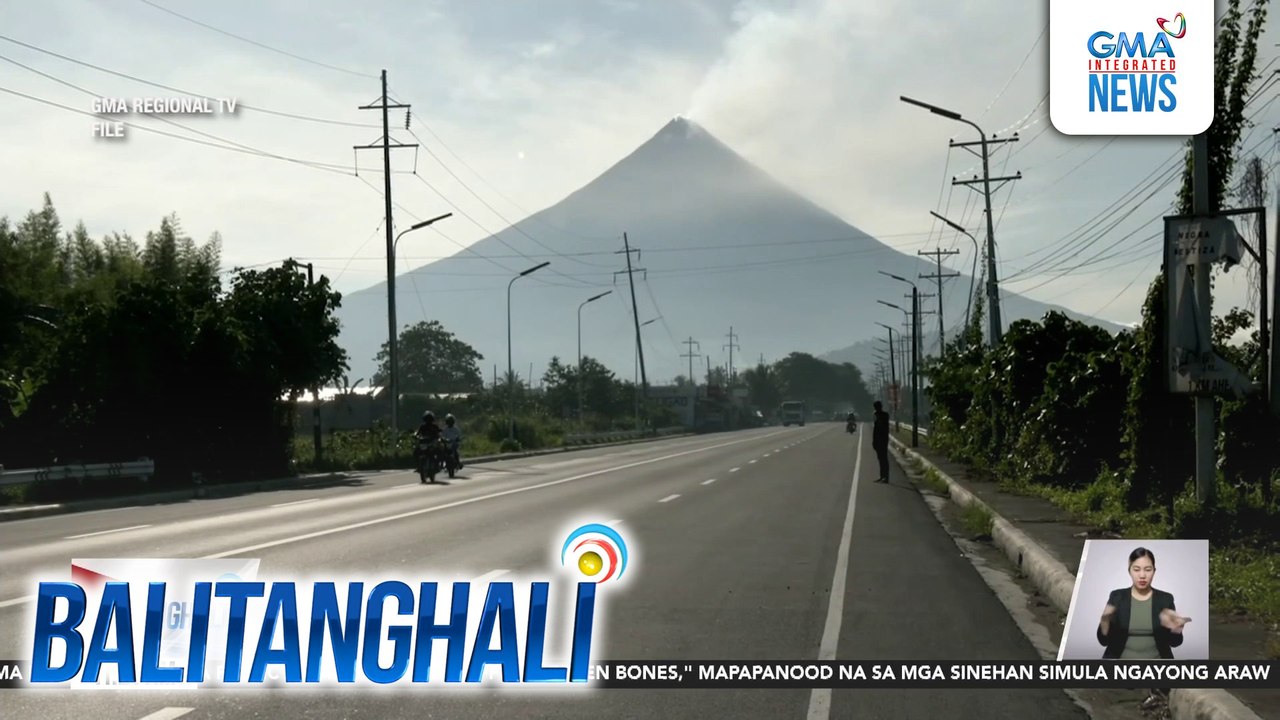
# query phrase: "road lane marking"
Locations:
[[296, 502], [708, 482], [766, 455], [29, 598], [105, 532], [668, 498], [169, 713], [469, 501], [820, 698], [751, 462], [733, 469], [490, 576], [613, 522]]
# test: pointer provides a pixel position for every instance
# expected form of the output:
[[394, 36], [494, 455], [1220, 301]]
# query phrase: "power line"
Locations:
[[1021, 65], [256, 43], [328, 167], [491, 234], [170, 88], [503, 218]]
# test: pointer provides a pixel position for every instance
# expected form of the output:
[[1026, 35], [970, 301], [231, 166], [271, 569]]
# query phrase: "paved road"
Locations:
[[737, 539]]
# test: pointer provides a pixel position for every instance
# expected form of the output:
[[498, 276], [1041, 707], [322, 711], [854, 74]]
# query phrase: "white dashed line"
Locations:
[[617, 521], [708, 482], [492, 574], [105, 532], [168, 713], [668, 498], [751, 462], [296, 502], [733, 469]]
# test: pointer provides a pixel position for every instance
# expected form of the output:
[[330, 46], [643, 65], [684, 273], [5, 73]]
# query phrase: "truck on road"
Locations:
[[793, 411]]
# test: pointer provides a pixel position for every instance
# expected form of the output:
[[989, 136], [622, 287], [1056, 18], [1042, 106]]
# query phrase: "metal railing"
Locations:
[[143, 468]]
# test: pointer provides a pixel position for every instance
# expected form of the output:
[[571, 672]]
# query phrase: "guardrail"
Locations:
[[923, 430], [139, 468]]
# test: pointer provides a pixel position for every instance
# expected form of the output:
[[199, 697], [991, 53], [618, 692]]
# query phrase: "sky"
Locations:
[[517, 104]]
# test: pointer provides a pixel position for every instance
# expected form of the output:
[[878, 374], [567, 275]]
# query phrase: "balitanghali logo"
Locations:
[[1137, 72], [128, 623]]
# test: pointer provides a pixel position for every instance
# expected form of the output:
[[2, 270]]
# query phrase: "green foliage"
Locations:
[[119, 352], [1235, 68], [823, 385], [977, 522], [1159, 426], [431, 360]]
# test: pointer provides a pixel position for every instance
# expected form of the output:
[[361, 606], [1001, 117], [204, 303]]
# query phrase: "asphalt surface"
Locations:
[[736, 542]]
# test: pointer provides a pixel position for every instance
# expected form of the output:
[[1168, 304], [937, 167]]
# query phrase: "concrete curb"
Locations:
[[204, 492], [1053, 579]]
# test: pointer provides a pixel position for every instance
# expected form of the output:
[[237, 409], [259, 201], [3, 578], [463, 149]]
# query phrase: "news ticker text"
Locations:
[[847, 674], [704, 674]]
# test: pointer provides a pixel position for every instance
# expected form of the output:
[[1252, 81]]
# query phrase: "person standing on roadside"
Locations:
[[880, 441]]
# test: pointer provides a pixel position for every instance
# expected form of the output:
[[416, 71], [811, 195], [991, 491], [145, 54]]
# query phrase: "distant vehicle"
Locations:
[[793, 412]]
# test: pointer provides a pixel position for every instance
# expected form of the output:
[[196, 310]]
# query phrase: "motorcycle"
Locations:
[[429, 459], [452, 458], [851, 427]]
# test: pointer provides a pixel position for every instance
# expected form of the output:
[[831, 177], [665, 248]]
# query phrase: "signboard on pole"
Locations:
[[1192, 245]]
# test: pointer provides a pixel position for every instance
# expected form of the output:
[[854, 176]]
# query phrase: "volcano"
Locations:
[[717, 245]]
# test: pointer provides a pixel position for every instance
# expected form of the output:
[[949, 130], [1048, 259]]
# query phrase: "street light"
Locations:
[[391, 320], [973, 275], [511, 394], [992, 292], [584, 303], [915, 357], [636, 360], [896, 277], [893, 376]]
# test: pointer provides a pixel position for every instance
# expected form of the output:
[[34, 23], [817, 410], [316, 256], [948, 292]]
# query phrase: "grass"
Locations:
[[977, 521], [934, 482], [370, 450]]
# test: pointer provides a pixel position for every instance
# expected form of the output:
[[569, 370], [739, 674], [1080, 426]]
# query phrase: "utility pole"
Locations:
[[939, 276], [993, 287], [918, 331], [635, 315], [385, 144], [691, 355], [915, 368], [1206, 462], [732, 344], [316, 435]]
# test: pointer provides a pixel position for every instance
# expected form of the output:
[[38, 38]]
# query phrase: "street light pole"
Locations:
[[584, 303], [915, 356], [637, 368], [511, 394], [973, 274], [993, 291], [893, 377], [394, 368]]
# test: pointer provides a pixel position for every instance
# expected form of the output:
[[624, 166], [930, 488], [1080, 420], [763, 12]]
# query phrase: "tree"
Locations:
[[432, 360], [286, 329], [1235, 69], [1160, 427], [764, 387]]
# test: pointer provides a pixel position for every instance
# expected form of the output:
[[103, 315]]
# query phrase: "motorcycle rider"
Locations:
[[452, 435], [851, 422], [428, 431]]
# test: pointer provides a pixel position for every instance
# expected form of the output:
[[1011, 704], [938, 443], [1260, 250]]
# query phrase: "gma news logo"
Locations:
[[1142, 71]]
